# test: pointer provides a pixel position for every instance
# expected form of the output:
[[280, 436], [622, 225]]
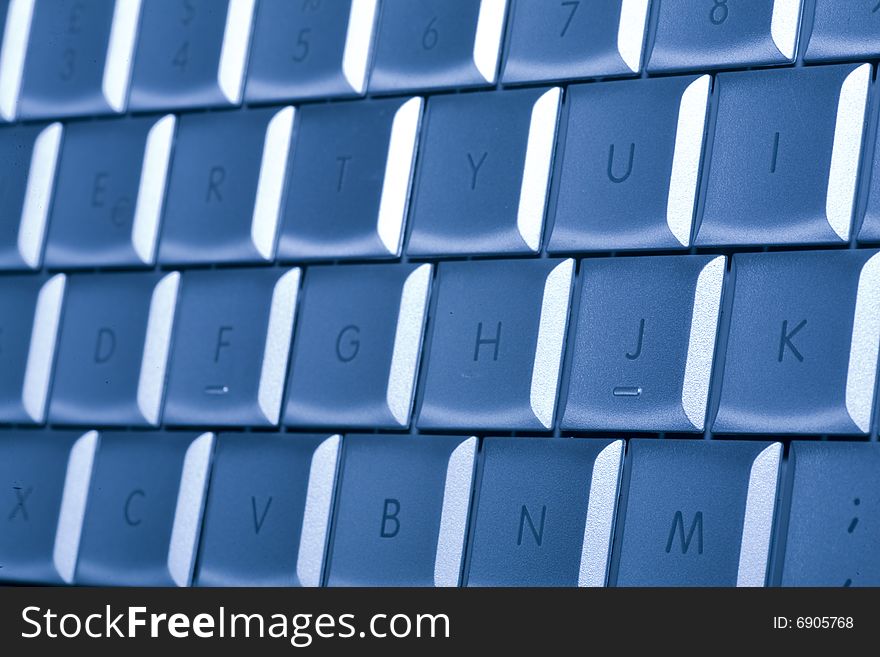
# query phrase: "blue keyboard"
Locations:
[[439, 293]]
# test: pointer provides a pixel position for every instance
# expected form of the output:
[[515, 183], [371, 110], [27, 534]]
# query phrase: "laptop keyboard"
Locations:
[[453, 293]]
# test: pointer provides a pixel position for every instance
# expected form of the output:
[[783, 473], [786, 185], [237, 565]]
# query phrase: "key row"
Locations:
[[137, 509], [340, 181], [798, 345], [68, 58]]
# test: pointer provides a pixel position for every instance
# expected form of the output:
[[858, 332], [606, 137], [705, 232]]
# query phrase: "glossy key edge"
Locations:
[[188, 510], [157, 344], [234, 51], [631, 30], [784, 26], [316, 513], [601, 511], [120, 53], [862, 368], [277, 347], [454, 513], [13, 50], [407, 344], [38, 194], [358, 41], [754, 549], [41, 351], [151, 188], [270, 185], [551, 342], [487, 39], [73, 505]]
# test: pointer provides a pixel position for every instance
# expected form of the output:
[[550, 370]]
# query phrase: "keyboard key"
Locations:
[[644, 343], [718, 34], [631, 165], [801, 356], [496, 345], [832, 530], [545, 512], [30, 311], [310, 49], [231, 342], [144, 511], [792, 140], [268, 511], [28, 159], [848, 30], [350, 178], [111, 188], [44, 479], [13, 43], [226, 189], [356, 353], [113, 349], [437, 44], [78, 57], [484, 173], [698, 513], [573, 39], [191, 53], [402, 511], [869, 231]]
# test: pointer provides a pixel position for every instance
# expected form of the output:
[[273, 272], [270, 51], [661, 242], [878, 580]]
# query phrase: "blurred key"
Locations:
[[231, 342], [785, 156], [484, 173], [496, 345], [349, 184], [267, 516], [833, 529], [844, 30], [644, 343], [357, 348], [191, 53], [78, 58], [310, 49], [113, 349], [801, 356], [144, 511], [44, 483], [28, 160], [722, 34], [574, 39], [697, 513], [30, 312], [110, 193], [226, 188], [402, 511], [869, 232], [437, 44], [13, 42], [545, 512], [631, 165]]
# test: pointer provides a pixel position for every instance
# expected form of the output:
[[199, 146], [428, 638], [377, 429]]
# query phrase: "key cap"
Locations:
[[644, 343], [225, 192], [496, 344], [113, 349], [847, 30], [231, 342], [111, 188], [832, 529], [356, 354], [78, 57], [869, 231], [484, 173], [437, 44], [801, 356], [719, 34], [28, 158], [310, 49], [785, 156], [191, 53], [545, 512], [574, 39], [13, 42], [631, 165], [30, 310], [697, 513], [142, 520], [350, 179], [402, 511], [44, 482], [268, 510]]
